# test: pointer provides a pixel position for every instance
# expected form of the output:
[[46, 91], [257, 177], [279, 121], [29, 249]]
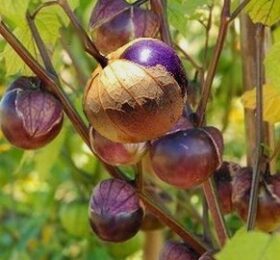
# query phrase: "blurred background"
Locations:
[[44, 194]]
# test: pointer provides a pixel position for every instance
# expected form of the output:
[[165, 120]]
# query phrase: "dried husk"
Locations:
[[126, 102]]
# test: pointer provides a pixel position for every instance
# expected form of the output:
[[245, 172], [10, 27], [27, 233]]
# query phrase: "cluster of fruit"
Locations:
[[135, 105]]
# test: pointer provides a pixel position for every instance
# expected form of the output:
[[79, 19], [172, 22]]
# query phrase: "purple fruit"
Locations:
[[116, 153], [114, 23], [187, 158], [174, 250], [128, 102], [223, 180], [152, 53], [30, 117], [115, 211]]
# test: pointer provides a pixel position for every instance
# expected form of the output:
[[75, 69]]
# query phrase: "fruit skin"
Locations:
[[151, 53], [30, 117], [116, 153], [174, 250], [73, 217], [115, 213], [268, 212], [130, 103], [114, 23], [187, 158], [223, 180]]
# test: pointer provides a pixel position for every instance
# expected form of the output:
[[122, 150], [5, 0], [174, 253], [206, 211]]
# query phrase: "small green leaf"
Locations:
[[264, 11]]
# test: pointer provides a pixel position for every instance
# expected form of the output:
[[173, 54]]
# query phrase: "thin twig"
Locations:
[[206, 88], [88, 44], [40, 45], [259, 132], [214, 206], [139, 176], [207, 32], [159, 7], [188, 57], [167, 219]]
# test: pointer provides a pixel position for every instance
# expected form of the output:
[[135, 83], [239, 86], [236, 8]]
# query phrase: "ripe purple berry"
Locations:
[[30, 117], [115, 211], [116, 153], [174, 250], [187, 158], [130, 101], [114, 23]]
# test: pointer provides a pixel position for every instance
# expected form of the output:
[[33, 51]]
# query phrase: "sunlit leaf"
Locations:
[[271, 102], [251, 246], [264, 11], [272, 66], [13, 63], [49, 21], [14, 10]]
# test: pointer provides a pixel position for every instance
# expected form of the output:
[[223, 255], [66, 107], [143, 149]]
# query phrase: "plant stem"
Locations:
[[168, 220], [159, 7], [41, 46], [260, 132], [213, 204], [206, 88], [82, 130], [88, 44]]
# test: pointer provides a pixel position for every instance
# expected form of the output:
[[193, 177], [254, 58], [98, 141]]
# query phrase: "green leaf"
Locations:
[[272, 66], [179, 11], [14, 10], [46, 157], [264, 11], [49, 22], [251, 246], [13, 63]]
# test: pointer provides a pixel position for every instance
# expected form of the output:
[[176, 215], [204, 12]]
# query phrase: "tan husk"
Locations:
[[126, 102]]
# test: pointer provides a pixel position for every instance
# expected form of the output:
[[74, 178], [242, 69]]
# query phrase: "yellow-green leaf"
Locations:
[[13, 63], [271, 102], [272, 65], [264, 11]]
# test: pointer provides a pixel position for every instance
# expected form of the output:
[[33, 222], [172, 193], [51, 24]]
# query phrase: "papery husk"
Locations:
[[126, 102]]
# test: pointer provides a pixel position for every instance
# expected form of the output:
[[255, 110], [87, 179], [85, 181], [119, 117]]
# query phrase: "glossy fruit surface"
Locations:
[[268, 212], [187, 158], [116, 153], [114, 23], [174, 250], [152, 53], [115, 212], [30, 117], [74, 218], [127, 102]]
